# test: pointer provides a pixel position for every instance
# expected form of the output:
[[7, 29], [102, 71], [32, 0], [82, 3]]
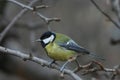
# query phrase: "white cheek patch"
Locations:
[[49, 39]]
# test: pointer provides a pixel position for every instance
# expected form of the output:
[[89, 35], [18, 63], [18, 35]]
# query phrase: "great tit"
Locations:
[[60, 47]]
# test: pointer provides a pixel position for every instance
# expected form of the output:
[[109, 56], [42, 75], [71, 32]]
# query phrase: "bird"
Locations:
[[61, 47]]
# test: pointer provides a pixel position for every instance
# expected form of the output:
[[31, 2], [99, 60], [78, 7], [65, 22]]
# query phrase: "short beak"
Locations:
[[38, 40]]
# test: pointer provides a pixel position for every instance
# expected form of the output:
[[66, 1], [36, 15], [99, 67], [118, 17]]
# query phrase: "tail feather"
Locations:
[[96, 56]]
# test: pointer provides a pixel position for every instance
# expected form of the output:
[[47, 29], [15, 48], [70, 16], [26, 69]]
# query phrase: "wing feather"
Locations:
[[71, 45]]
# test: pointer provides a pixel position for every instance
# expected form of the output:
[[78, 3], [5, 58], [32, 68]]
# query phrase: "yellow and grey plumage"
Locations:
[[60, 47], [56, 51]]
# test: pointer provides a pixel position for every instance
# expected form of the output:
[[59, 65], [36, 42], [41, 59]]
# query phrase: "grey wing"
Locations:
[[71, 45]]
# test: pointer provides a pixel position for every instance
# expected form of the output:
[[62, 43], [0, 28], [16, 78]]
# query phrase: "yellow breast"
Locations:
[[58, 53]]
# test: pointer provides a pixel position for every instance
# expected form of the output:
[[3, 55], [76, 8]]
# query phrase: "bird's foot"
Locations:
[[62, 74], [50, 63]]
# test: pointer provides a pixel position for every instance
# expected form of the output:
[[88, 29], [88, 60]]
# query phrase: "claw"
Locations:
[[50, 64]]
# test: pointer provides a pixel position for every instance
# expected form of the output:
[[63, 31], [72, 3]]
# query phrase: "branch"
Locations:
[[95, 66], [117, 24], [46, 19], [10, 25], [18, 3], [26, 8], [115, 4], [37, 60]]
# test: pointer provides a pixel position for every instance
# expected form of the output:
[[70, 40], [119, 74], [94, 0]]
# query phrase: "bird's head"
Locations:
[[46, 38]]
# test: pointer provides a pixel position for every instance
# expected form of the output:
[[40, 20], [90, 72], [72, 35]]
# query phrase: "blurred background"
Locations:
[[79, 19]]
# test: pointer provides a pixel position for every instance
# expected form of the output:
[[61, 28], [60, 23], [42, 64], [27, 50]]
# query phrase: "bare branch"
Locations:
[[117, 24], [20, 4], [37, 60], [115, 4], [35, 8], [4, 32], [47, 20], [95, 66]]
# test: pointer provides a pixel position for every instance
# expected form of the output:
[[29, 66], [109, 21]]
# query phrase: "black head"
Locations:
[[47, 37]]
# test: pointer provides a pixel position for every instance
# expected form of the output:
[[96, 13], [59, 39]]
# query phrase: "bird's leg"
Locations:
[[78, 66], [52, 62], [62, 69], [68, 61], [63, 66], [77, 62]]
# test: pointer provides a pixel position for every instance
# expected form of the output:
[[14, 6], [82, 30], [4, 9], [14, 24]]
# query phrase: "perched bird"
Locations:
[[60, 47]]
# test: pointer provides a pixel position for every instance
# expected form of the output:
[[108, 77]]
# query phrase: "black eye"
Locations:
[[46, 35]]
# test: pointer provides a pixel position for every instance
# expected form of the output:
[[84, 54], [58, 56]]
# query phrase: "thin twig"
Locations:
[[35, 8], [4, 32], [46, 19], [37, 60], [115, 4], [95, 66], [20, 4], [117, 24]]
